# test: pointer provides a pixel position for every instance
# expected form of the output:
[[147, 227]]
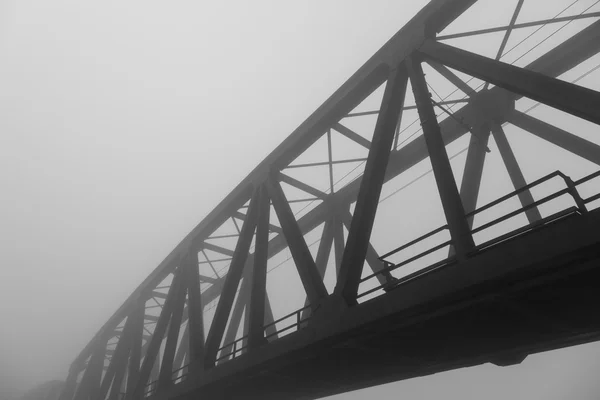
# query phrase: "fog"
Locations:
[[122, 124]]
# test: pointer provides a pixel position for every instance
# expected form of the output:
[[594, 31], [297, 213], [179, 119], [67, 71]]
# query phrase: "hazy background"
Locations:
[[123, 123]]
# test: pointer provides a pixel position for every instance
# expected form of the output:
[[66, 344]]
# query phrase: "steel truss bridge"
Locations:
[[202, 324]]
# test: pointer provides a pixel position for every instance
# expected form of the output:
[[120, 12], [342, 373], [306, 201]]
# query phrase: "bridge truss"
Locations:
[[204, 323]]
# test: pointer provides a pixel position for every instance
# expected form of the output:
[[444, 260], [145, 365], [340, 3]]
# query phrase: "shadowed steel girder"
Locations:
[[565, 96]]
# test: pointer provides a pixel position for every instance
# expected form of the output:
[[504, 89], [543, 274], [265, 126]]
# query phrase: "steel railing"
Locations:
[[571, 189]]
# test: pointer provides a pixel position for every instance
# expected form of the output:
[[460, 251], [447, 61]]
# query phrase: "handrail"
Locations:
[[299, 321], [287, 316], [179, 369], [516, 192], [433, 232], [587, 178], [526, 228], [592, 198], [520, 210], [570, 189], [407, 261], [539, 181]]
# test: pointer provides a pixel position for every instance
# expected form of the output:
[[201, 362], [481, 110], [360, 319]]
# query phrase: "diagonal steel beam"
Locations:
[[350, 134], [519, 26], [313, 285], [514, 171], [218, 249], [302, 186], [210, 262], [471, 180], [183, 348], [118, 362], [372, 257], [272, 227], [576, 100], [566, 140], [232, 280], [338, 243], [322, 258], [121, 362], [452, 78], [368, 196], [509, 30], [149, 365], [449, 195], [238, 310]]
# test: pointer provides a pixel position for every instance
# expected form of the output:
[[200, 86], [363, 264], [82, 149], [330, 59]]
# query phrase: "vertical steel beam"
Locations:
[[573, 99], [312, 282], [256, 312], [166, 367], [514, 171], [371, 184], [576, 145], [195, 327], [232, 280], [449, 195], [135, 356]]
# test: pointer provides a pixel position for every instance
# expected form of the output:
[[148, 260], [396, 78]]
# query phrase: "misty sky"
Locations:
[[122, 124]]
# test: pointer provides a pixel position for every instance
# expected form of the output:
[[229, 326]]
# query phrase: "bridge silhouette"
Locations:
[[494, 284]]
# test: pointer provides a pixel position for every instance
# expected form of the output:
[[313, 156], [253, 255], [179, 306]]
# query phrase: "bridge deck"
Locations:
[[532, 293]]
